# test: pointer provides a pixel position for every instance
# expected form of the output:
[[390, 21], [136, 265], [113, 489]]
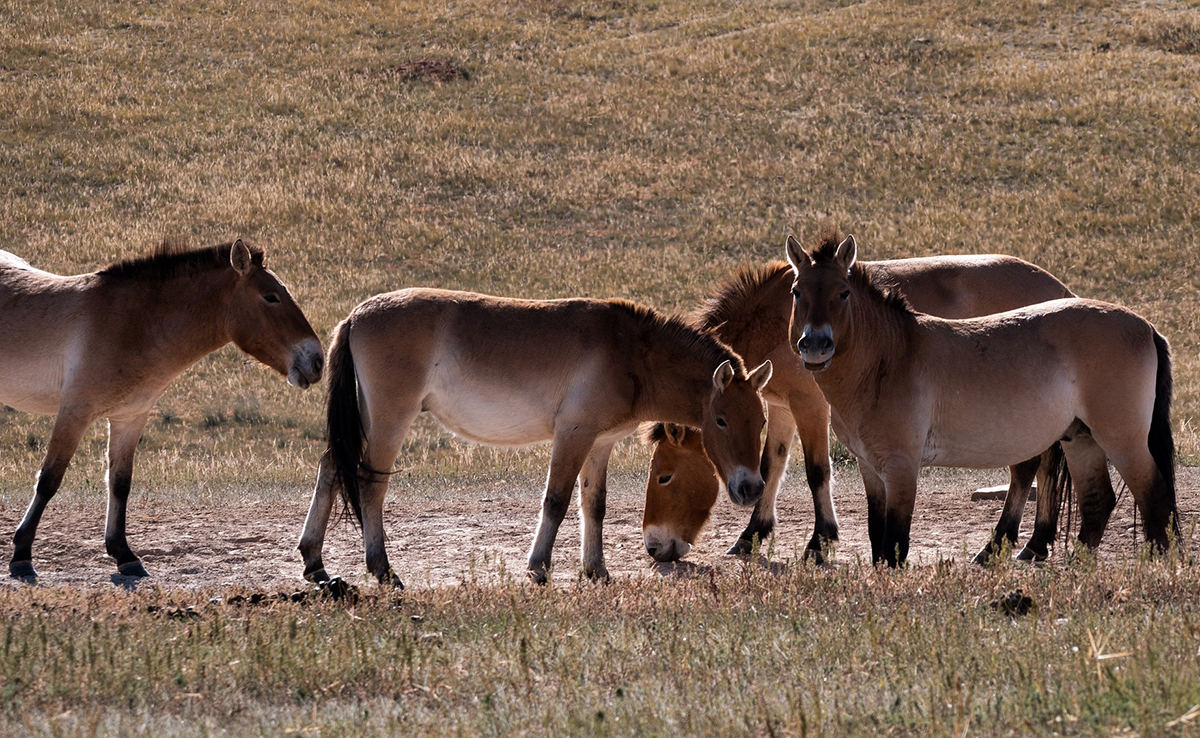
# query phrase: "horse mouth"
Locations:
[[817, 367]]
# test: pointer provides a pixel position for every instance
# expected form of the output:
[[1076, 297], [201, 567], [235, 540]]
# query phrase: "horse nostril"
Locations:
[[652, 549]]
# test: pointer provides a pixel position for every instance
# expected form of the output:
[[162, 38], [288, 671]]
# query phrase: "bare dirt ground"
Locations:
[[484, 530]]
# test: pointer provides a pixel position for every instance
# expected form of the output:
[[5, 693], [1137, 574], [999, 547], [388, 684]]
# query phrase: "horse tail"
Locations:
[[1060, 490], [1160, 440], [343, 419]]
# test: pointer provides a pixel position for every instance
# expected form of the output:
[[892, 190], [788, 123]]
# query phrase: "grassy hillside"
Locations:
[[548, 148]]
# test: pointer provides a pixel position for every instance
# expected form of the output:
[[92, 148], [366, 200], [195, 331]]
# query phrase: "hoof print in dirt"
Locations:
[[338, 589], [1013, 604]]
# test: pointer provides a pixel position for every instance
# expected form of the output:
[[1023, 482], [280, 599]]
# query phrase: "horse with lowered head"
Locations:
[[107, 344], [580, 373], [909, 390], [752, 311]]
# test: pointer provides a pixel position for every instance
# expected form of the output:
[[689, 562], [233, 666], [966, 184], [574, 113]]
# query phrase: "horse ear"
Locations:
[[847, 252], [760, 376], [239, 256], [795, 254], [723, 375], [674, 433]]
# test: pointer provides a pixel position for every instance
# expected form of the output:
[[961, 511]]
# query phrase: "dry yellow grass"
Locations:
[[599, 148]]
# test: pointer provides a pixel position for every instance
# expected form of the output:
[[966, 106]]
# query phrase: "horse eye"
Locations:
[[271, 297], [721, 422], [845, 295], [665, 479]]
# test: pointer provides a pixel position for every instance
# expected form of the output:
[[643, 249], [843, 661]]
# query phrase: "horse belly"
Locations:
[[989, 440], [31, 384], [494, 415]]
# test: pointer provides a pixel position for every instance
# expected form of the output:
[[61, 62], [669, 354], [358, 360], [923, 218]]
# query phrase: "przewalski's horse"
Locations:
[[752, 311], [909, 390], [106, 345], [580, 373]]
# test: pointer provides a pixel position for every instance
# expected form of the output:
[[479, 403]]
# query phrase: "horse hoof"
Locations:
[[1028, 554], [814, 555], [743, 547], [339, 589], [23, 570], [599, 574], [317, 575], [538, 576], [984, 556], [133, 569]]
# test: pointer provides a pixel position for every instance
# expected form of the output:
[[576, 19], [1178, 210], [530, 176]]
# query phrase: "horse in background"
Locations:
[[751, 311], [580, 373], [107, 344], [908, 390]]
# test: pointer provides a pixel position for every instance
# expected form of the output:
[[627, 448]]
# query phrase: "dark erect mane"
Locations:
[[876, 285], [673, 330], [172, 261], [734, 296]]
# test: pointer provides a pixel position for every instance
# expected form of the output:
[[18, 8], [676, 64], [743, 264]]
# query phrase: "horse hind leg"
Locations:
[[384, 439], [1093, 487], [773, 467], [123, 436], [312, 540], [1021, 478], [64, 439], [593, 492]]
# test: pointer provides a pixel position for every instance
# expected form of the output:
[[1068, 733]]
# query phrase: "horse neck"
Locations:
[[878, 335], [182, 319], [676, 378], [761, 323]]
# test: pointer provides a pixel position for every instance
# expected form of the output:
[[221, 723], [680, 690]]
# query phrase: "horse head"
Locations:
[[680, 491], [265, 322], [731, 430], [820, 299]]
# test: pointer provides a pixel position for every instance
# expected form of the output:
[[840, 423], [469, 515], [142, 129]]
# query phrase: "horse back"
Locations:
[[495, 370], [969, 286]]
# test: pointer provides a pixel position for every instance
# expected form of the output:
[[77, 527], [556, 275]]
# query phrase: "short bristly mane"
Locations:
[[172, 261], [734, 297], [673, 329], [876, 286]]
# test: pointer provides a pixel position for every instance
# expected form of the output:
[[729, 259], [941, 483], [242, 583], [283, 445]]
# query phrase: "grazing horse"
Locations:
[[751, 311], [106, 345], [580, 373], [909, 390]]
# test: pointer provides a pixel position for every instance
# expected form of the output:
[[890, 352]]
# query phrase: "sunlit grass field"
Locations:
[[548, 148]]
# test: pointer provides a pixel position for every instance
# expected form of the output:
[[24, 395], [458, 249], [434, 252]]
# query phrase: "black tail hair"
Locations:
[[1060, 489], [1160, 441], [344, 419]]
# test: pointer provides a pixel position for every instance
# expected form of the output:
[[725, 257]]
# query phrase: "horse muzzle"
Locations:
[[816, 349], [308, 361], [662, 546], [745, 487]]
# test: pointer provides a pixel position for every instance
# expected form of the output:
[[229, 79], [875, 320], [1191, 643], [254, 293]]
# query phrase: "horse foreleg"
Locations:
[[1020, 481], [876, 510], [312, 540], [567, 456], [812, 420], [593, 490], [781, 428], [123, 436], [901, 482], [64, 439]]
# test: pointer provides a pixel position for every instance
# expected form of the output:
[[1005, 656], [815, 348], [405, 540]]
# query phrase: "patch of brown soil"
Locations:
[[485, 528]]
